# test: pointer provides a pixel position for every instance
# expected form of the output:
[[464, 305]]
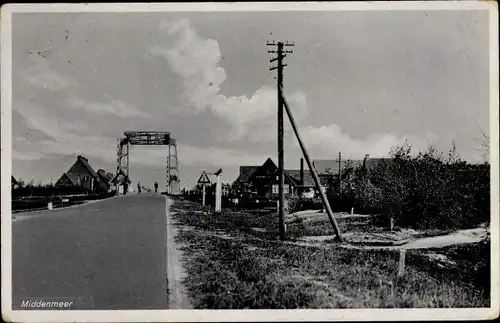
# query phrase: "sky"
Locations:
[[357, 82]]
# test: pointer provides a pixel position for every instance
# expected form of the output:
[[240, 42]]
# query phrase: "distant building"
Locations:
[[81, 174]]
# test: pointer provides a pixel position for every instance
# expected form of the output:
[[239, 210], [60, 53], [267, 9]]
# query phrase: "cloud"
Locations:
[[50, 81], [64, 134], [196, 61], [114, 107], [326, 141], [40, 75], [197, 156], [67, 125]]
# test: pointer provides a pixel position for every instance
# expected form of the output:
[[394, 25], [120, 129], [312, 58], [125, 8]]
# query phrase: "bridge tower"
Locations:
[[173, 182], [147, 138]]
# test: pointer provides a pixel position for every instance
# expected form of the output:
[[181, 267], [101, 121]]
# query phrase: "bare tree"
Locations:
[[484, 144]]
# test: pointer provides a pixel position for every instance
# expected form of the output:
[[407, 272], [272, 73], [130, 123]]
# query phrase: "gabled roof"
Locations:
[[295, 174], [268, 168], [308, 177], [83, 161], [65, 177], [14, 181], [87, 166], [245, 173], [106, 176]]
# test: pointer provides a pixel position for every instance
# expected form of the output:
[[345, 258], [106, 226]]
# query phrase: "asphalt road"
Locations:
[[105, 255]]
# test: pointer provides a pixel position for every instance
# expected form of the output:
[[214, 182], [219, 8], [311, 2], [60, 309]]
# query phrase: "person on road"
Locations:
[[139, 187], [156, 187]]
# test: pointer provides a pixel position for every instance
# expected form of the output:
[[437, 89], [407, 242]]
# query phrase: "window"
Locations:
[[286, 189]]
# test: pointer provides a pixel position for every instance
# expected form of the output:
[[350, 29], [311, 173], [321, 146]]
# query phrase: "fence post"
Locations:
[[402, 256], [391, 224], [218, 191], [203, 197]]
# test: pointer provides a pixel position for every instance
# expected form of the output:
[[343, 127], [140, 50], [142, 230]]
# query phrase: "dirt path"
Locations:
[[178, 297], [455, 238]]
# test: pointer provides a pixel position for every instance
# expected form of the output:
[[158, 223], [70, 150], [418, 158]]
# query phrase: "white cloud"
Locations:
[[196, 61], [326, 141], [42, 76], [66, 135], [197, 156], [114, 106]]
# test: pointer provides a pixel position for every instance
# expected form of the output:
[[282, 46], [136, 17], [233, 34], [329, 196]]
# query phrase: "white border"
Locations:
[[242, 315]]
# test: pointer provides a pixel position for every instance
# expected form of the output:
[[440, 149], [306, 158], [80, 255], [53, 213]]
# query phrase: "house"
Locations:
[[14, 183], [81, 174], [241, 183], [106, 178], [264, 180]]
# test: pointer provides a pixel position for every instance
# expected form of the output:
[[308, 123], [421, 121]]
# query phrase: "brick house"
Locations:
[[81, 174]]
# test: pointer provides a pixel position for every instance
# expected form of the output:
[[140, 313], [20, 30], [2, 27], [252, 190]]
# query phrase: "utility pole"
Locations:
[[340, 174], [313, 170], [169, 179], [281, 54]]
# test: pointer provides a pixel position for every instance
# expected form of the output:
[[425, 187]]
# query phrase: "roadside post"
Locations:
[[203, 197], [402, 256], [218, 191]]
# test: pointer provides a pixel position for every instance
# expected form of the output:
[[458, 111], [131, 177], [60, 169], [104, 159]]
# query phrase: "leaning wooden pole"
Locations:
[[311, 168]]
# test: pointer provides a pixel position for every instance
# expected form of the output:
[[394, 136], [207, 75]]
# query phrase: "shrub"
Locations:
[[429, 190], [291, 204]]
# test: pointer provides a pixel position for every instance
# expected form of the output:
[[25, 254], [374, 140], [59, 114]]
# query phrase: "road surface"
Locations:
[[106, 255]]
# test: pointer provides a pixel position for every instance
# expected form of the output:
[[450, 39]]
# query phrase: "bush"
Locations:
[[429, 190], [291, 204]]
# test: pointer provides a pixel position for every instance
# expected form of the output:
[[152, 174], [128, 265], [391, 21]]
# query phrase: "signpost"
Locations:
[[203, 180]]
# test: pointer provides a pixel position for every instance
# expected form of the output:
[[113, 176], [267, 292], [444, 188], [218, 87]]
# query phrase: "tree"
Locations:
[[484, 145]]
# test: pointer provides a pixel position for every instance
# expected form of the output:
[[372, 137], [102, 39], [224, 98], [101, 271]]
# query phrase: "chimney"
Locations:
[[302, 171]]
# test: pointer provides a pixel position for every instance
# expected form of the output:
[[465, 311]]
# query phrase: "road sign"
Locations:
[[204, 179]]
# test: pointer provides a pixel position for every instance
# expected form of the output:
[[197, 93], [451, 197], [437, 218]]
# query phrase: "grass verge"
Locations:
[[244, 272]]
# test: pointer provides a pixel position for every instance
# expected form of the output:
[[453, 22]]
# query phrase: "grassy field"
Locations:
[[243, 271]]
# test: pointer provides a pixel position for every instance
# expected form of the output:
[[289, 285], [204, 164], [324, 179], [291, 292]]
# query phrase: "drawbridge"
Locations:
[[147, 138]]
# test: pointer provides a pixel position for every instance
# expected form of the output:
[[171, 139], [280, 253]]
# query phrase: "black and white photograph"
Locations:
[[312, 160]]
